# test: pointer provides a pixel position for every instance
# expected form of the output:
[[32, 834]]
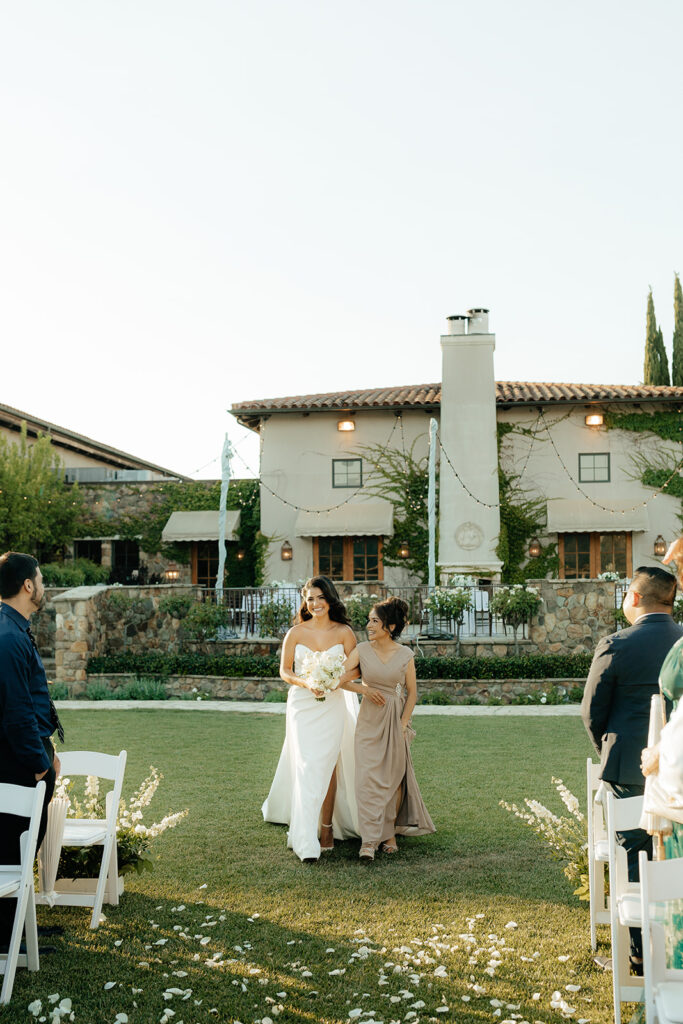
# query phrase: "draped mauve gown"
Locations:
[[384, 767]]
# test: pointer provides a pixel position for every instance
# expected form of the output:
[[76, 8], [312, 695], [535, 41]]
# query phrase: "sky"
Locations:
[[207, 202]]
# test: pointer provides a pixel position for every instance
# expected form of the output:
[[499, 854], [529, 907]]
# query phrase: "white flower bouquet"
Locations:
[[323, 670]]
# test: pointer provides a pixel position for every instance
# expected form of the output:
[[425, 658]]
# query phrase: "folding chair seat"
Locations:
[[624, 901], [598, 853], [660, 881], [16, 882], [93, 831]]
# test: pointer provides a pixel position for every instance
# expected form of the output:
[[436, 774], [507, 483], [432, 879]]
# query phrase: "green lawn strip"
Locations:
[[387, 926]]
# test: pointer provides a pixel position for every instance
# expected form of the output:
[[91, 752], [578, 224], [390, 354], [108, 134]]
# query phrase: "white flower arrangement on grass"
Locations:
[[133, 837], [566, 836], [324, 670]]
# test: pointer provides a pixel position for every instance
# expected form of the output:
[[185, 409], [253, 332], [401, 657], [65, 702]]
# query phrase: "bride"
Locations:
[[313, 788]]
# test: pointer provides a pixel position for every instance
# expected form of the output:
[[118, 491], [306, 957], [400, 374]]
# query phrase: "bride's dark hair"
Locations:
[[337, 611]]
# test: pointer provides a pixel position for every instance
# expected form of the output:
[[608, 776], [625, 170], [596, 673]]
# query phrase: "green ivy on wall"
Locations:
[[521, 519], [192, 496], [657, 470], [667, 425]]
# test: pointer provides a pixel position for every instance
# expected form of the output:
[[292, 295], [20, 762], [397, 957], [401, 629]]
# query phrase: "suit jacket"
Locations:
[[623, 677]]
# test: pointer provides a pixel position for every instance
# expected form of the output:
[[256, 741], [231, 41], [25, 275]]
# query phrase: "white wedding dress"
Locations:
[[319, 735]]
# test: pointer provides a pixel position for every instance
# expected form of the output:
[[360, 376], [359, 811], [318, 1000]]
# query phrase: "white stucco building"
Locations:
[[313, 505]]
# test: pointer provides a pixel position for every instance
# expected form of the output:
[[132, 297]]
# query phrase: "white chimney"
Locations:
[[456, 324], [469, 516], [478, 321]]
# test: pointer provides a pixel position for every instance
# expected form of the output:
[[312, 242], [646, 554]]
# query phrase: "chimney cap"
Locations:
[[478, 309], [458, 316]]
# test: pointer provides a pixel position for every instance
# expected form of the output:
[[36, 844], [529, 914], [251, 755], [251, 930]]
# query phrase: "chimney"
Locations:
[[478, 321], [456, 324]]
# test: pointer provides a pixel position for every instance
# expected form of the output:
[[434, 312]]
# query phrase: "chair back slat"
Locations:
[[90, 762], [17, 800]]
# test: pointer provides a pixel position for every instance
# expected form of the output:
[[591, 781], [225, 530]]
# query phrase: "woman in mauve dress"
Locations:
[[387, 794]]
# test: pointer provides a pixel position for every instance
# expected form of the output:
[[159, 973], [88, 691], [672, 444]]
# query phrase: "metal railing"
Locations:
[[268, 611]]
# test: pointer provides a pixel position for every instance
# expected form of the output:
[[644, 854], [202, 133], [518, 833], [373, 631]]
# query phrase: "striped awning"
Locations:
[[189, 526], [577, 515], [357, 519]]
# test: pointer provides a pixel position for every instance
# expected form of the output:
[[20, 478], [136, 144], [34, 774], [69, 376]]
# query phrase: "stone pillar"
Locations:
[[469, 517], [76, 635]]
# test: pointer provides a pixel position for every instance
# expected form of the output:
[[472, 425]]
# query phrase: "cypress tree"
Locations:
[[677, 354], [656, 367]]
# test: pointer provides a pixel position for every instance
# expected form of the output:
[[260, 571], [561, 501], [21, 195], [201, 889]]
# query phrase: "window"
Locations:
[[331, 557], [348, 558], [90, 549], [347, 472], [204, 560], [584, 556], [125, 560], [594, 468]]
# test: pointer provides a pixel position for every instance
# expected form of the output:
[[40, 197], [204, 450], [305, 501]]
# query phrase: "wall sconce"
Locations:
[[240, 554], [172, 574], [535, 548], [404, 549], [286, 552], [345, 425], [594, 419], [660, 546]]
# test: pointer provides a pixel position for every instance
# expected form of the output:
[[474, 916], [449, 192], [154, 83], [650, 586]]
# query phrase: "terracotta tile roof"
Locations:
[[428, 396]]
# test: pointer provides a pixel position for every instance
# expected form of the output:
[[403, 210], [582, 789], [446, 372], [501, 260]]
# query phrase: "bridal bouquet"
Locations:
[[324, 670]]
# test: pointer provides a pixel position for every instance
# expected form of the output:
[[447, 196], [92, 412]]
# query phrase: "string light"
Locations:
[[330, 508]]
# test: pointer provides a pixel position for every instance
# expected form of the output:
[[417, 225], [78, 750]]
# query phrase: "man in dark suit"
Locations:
[[27, 714], [615, 709]]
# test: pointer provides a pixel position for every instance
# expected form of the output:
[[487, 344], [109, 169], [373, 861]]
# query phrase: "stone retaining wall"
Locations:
[[461, 691], [101, 620]]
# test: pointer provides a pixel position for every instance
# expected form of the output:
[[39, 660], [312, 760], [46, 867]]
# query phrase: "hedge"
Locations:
[[530, 666]]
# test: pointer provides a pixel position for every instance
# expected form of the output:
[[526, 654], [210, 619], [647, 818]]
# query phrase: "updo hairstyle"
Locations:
[[337, 611], [393, 614]]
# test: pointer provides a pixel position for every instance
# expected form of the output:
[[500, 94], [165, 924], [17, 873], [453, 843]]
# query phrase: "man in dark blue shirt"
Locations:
[[27, 717]]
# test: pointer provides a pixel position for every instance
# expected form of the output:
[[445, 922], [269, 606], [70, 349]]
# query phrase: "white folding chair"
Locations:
[[598, 853], [16, 882], [624, 901], [660, 881], [93, 831]]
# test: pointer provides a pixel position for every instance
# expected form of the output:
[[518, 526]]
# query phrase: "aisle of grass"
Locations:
[[401, 939]]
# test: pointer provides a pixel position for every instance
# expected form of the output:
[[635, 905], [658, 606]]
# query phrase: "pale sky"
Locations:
[[207, 202]]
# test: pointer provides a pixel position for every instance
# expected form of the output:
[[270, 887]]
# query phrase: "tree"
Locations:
[[402, 479], [656, 368], [38, 510], [677, 354]]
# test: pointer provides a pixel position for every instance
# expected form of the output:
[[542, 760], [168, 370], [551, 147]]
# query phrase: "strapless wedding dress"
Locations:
[[319, 736]]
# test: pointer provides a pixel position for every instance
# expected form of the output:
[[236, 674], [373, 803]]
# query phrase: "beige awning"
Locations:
[[576, 515], [358, 519], [187, 526]]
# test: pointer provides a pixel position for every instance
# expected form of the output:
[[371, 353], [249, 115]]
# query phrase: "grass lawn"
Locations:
[[399, 940]]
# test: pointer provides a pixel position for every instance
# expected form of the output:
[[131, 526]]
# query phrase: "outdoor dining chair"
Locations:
[[660, 882], [16, 882], [598, 853], [93, 831], [624, 901]]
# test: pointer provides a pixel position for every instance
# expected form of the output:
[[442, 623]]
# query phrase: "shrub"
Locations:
[[81, 572], [204, 619], [176, 605], [98, 691], [358, 608], [59, 691], [142, 689], [276, 697], [529, 666], [274, 617], [437, 697]]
